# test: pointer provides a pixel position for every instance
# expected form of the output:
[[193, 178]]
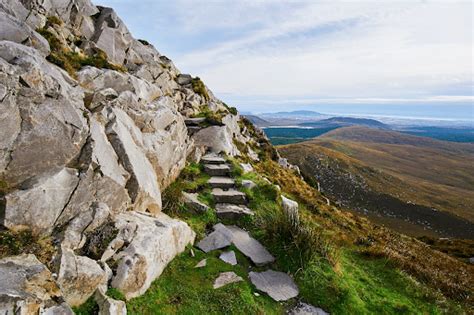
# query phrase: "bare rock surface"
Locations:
[[229, 257], [246, 167], [291, 209], [249, 246], [278, 285], [246, 183], [153, 243], [306, 309], [109, 306], [201, 264], [226, 278], [218, 239], [221, 182], [217, 139], [213, 159], [191, 200], [217, 170], [27, 286], [229, 196], [231, 211]]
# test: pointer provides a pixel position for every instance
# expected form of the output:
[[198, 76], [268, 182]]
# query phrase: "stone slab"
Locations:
[[217, 169], [278, 285], [231, 211], [221, 182], [229, 257], [226, 278], [229, 196]]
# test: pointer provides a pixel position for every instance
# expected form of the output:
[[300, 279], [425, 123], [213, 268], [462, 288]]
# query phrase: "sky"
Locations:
[[265, 56]]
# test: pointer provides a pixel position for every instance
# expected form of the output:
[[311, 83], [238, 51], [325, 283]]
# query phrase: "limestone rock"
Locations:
[[306, 309], [221, 182], [26, 286], [201, 264], [226, 278], [109, 306], [192, 202], [38, 207], [217, 139], [229, 257], [184, 79], [217, 170], [248, 184], [246, 167], [278, 285], [249, 246], [231, 211], [79, 277], [216, 240], [153, 243], [213, 159], [229, 196], [291, 209]]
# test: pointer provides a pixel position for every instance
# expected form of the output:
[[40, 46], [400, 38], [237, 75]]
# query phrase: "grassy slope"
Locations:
[[434, 173], [338, 278]]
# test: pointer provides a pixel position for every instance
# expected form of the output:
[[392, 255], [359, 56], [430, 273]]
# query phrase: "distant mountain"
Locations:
[[293, 114], [260, 122], [345, 122]]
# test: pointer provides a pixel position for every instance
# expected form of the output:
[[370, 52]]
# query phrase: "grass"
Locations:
[[199, 88], [212, 118]]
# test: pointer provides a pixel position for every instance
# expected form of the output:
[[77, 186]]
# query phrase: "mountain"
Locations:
[[345, 122], [257, 121], [305, 114], [416, 185], [126, 185]]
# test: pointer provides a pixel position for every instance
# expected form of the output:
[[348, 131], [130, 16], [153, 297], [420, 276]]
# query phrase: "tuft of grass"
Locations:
[[115, 294], [89, 307], [53, 20], [199, 88], [233, 110], [212, 118]]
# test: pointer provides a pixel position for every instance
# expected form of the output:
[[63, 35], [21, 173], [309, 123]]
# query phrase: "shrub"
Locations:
[[53, 20], [199, 88], [144, 42], [233, 111], [115, 294], [25, 242], [171, 198]]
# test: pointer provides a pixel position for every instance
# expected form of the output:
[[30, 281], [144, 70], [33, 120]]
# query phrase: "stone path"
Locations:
[[278, 285]]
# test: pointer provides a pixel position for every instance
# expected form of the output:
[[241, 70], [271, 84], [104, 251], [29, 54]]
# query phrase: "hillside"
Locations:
[[412, 182], [126, 186], [336, 122]]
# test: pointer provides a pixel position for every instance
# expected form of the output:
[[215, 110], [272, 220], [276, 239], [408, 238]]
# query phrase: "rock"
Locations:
[[153, 243], [291, 209], [62, 309], [143, 184], [229, 196], [471, 260], [191, 200], [246, 167], [109, 306], [221, 182], [201, 264], [226, 278], [217, 170], [306, 309], [278, 285], [79, 277], [248, 184], [38, 207], [194, 121], [27, 286], [283, 162], [184, 79], [216, 240], [229, 257], [213, 159], [216, 139], [249, 246], [231, 211]]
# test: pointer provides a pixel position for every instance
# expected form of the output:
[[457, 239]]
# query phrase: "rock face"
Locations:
[[138, 266], [26, 286], [87, 149]]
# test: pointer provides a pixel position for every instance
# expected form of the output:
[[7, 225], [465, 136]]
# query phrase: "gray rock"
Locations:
[[306, 309], [109, 306], [278, 285], [246, 183], [471, 260], [231, 211], [213, 159], [191, 200], [221, 182], [217, 139], [153, 243], [194, 121], [62, 309], [26, 286], [229, 257], [215, 240], [79, 277], [246, 167], [38, 207], [246, 244], [229, 196], [291, 209], [184, 79], [201, 264], [226, 278], [217, 170]]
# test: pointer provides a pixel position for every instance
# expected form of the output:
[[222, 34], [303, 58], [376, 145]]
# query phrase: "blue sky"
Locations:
[[283, 55]]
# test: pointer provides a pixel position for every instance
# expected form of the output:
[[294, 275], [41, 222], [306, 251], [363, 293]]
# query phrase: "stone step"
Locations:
[[217, 170], [232, 212], [278, 285], [229, 196], [221, 182], [212, 159], [194, 121], [193, 129]]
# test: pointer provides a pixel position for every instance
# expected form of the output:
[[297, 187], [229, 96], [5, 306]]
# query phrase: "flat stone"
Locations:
[[201, 264], [216, 240], [229, 257], [229, 196], [212, 159], [226, 278], [194, 121], [184, 79], [191, 200], [231, 211], [246, 167], [217, 170], [246, 183], [278, 285], [306, 309], [249, 246], [221, 182]]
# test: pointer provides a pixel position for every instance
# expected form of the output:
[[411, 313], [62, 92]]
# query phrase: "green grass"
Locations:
[[199, 88], [183, 289]]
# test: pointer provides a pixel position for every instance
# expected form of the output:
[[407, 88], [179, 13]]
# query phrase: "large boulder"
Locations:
[[27, 286], [153, 243], [216, 139]]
